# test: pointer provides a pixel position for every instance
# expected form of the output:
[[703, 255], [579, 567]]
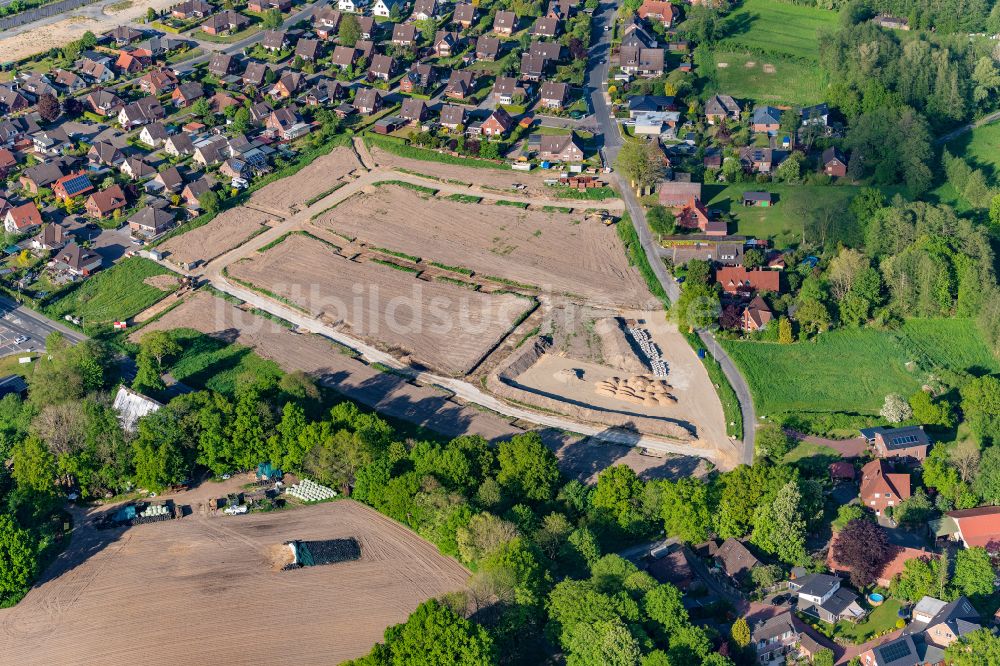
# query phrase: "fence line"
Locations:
[[44, 11]]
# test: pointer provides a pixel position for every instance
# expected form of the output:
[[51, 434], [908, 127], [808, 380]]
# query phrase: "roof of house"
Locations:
[[170, 177], [733, 278], [274, 39], [876, 478], [366, 98], [558, 143], [152, 218], [487, 46], [307, 48], [758, 311], [43, 174], [76, 257], [452, 114], [773, 627], [108, 200], [545, 26], [898, 438], [75, 184], [381, 64], [26, 215], [404, 32], [132, 406], [766, 115], [554, 90], [816, 584], [413, 109], [979, 526], [735, 558], [343, 56], [832, 154], [959, 615], [506, 20], [464, 12]]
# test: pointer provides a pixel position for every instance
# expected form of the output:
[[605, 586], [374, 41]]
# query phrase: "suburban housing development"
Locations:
[[624, 332]]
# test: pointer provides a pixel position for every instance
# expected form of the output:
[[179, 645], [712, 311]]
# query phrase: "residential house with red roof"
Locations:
[[22, 219], [881, 489], [104, 203], [737, 280], [73, 185]]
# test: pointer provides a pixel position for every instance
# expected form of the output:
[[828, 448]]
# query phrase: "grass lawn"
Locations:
[[852, 370], [881, 621], [789, 82], [114, 294], [781, 222], [981, 149], [952, 343], [779, 28], [207, 363], [806, 450]]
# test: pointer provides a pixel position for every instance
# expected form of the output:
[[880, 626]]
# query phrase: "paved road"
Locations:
[[597, 72], [21, 321]]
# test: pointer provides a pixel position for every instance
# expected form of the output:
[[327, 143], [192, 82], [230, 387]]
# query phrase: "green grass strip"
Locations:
[[637, 257], [398, 267], [515, 204], [453, 269], [410, 186]]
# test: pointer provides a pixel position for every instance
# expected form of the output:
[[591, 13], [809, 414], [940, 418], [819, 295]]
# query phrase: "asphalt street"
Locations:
[[20, 323], [597, 74]]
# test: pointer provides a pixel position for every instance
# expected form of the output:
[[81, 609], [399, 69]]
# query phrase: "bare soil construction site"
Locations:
[[499, 179], [554, 251], [206, 591], [229, 229], [435, 323], [287, 195]]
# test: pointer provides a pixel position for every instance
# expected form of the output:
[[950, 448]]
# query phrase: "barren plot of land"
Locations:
[[437, 324], [289, 194], [56, 32], [230, 229], [315, 355], [204, 591], [503, 179], [554, 251]]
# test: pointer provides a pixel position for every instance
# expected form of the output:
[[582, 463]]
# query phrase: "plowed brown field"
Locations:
[[555, 251], [204, 591], [438, 324], [230, 229], [288, 194]]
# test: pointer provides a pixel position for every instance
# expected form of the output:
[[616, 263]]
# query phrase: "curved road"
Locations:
[[597, 73]]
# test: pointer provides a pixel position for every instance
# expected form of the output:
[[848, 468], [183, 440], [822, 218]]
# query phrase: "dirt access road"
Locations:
[[205, 591]]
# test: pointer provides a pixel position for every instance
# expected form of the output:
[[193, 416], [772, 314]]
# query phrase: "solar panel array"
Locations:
[[76, 184], [895, 650], [903, 439]]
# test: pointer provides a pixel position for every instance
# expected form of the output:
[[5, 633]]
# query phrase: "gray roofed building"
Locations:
[[132, 406]]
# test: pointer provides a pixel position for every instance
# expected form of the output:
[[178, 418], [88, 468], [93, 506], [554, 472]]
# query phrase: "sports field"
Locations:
[[853, 370], [768, 79], [777, 28], [770, 53]]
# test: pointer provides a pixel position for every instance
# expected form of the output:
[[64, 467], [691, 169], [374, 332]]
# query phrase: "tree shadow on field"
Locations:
[[583, 458], [394, 396]]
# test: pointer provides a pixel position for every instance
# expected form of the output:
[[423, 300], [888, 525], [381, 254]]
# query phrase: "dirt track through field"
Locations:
[[203, 591], [230, 229], [439, 324], [558, 252], [316, 356]]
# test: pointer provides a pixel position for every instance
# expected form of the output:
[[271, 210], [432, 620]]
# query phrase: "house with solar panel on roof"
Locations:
[[907, 442], [935, 625]]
